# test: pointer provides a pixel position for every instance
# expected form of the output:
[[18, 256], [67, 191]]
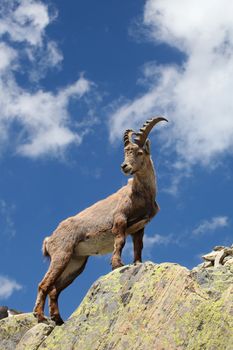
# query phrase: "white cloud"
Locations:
[[211, 225], [24, 20], [149, 242], [44, 119], [7, 287], [7, 56], [41, 117], [197, 95], [54, 56], [42, 59]]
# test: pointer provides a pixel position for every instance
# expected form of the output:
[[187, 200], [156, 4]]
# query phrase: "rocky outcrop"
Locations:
[[147, 306], [33, 338], [13, 328], [220, 255], [6, 312]]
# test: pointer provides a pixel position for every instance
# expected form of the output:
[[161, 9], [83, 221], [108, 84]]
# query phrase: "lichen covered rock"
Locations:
[[35, 336], [147, 306], [13, 328], [150, 306], [220, 255]]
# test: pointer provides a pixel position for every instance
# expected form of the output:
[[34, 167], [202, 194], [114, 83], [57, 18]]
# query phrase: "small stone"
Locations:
[[3, 312], [219, 258], [229, 262], [207, 264], [228, 257], [210, 256], [229, 251], [218, 247]]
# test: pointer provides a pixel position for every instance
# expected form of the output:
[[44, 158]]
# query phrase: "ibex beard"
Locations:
[[103, 227]]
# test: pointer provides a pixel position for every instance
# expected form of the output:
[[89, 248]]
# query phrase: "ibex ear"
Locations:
[[147, 146]]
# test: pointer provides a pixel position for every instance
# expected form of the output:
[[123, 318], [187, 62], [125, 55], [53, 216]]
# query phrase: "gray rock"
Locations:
[[218, 247], [35, 336], [148, 306], [210, 256], [162, 307], [13, 328], [229, 262], [3, 312], [218, 257]]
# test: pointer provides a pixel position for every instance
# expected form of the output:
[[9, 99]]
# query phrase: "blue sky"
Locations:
[[73, 77]]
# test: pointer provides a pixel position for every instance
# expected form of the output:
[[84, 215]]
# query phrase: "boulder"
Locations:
[[13, 328], [149, 306], [35, 336], [145, 306]]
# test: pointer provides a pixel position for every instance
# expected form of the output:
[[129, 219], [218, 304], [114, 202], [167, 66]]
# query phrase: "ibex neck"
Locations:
[[145, 181]]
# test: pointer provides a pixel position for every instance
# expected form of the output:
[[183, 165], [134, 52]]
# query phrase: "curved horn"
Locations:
[[142, 135], [128, 137]]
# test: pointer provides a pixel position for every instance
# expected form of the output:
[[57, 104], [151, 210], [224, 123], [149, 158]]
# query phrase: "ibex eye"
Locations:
[[140, 153]]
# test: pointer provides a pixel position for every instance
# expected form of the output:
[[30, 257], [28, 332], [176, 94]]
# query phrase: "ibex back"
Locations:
[[103, 227]]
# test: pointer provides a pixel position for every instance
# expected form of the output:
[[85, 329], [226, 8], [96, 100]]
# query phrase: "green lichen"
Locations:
[[208, 327], [150, 306], [13, 328]]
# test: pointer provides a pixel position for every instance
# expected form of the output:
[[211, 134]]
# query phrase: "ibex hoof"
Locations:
[[117, 265], [137, 262], [58, 320], [41, 318]]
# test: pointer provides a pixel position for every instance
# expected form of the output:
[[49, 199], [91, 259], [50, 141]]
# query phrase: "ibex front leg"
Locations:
[[138, 245], [119, 229]]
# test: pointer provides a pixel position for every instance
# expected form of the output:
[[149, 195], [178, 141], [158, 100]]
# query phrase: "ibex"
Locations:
[[103, 227]]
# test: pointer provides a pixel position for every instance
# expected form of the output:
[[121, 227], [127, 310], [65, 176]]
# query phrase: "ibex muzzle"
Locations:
[[103, 227]]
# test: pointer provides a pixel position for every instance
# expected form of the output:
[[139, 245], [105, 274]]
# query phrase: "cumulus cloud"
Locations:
[[24, 20], [149, 242], [7, 56], [41, 118], [195, 95], [7, 287], [211, 225]]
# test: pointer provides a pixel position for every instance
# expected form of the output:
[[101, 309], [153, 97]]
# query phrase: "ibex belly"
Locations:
[[96, 244], [103, 243]]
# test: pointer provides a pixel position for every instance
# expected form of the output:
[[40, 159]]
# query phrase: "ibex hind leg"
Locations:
[[74, 268], [57, 266]]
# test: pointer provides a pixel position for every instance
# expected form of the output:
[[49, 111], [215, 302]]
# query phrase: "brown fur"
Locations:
[[100, 229], [44, 247]]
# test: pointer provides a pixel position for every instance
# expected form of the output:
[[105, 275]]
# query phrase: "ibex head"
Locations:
[[137, 147]]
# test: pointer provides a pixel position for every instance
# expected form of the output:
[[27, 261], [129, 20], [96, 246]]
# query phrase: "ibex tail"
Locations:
[[44, 247]]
